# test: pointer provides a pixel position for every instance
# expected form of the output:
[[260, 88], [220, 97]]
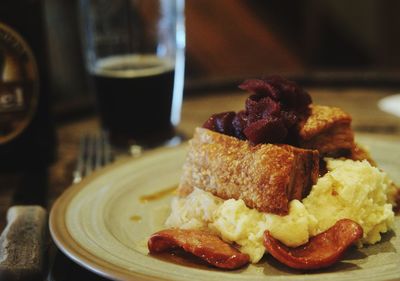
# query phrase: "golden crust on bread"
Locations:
[[322, 118], [266, 176], [359, 153], [328, 130]]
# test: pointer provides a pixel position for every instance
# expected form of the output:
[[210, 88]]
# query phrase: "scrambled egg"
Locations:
[[351, 189]]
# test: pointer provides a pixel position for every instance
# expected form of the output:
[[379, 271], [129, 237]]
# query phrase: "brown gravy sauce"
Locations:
[[396, 209], [157, 195], [180, 257], [135, 218]]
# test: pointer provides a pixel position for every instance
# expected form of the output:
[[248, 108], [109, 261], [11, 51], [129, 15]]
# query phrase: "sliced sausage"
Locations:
[[321, 250], [202, 244]]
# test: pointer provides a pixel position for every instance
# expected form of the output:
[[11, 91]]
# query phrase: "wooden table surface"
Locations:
[[360, 103]]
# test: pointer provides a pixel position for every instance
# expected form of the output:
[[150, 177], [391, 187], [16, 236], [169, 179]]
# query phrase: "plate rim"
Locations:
[[60, 233]]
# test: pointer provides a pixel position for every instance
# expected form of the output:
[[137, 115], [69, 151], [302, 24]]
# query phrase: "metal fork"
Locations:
[[94, 153]]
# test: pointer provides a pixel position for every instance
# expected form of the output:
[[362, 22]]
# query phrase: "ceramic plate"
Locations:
[[103, 224]]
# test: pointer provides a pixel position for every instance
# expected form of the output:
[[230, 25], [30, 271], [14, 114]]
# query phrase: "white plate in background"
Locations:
[[390, 104]]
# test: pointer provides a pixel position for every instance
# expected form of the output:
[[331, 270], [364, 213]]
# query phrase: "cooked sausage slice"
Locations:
[[321, 250], [202, 244]]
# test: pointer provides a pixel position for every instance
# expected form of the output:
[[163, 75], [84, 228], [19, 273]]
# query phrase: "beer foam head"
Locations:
[[129, 66]]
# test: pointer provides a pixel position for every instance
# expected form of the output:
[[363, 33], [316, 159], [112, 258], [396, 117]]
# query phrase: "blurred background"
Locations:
[[329, 42]]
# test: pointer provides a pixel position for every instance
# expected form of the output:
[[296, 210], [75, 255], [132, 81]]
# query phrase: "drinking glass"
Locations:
[[134, 52]]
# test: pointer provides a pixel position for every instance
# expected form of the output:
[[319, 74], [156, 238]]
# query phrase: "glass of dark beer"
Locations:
[[134, 53]]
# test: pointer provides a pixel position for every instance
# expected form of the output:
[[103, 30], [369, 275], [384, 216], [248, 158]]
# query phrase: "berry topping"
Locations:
[[271, 113]]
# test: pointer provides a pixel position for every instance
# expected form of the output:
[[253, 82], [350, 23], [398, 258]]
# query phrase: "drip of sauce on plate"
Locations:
[[180, 257], [135, 218], [157, 195]]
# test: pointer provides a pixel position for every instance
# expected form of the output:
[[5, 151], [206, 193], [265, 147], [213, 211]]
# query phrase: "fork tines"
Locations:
[[94, 153]]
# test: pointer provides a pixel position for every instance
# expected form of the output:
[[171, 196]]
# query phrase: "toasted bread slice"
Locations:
[[328, 130], [358, 153], [265, 176]]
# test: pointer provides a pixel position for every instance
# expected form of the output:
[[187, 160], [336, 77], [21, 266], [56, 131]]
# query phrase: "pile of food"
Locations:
[[283, 176]]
